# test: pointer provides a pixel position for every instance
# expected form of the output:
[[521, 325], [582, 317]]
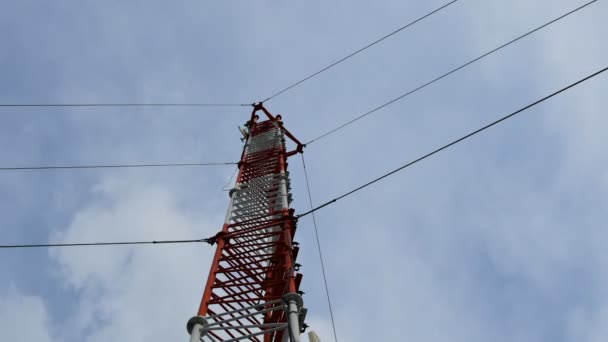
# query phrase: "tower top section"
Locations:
[[252, 292]]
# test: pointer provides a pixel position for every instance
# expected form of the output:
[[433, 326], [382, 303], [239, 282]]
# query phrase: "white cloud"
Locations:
[[137, 293], [23, 318]]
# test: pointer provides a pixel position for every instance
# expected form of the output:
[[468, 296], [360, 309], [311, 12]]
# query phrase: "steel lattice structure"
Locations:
[[252, 288]]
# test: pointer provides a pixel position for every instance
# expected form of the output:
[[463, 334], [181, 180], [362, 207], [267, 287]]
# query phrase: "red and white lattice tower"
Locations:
[[252, 289]]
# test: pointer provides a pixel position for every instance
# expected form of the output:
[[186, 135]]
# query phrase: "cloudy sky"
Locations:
[[502, 238]]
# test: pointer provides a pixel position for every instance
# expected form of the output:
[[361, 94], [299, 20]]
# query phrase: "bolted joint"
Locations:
[[232, 191], [258, 106], [294, 297], [302, 318], [196, 320], [214, 239]]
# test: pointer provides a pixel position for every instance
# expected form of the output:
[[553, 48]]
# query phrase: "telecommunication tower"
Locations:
[[252, 292]]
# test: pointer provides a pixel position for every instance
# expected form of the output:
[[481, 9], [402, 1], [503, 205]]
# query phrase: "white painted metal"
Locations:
[[195, 336], [313, 337], [294, 321]]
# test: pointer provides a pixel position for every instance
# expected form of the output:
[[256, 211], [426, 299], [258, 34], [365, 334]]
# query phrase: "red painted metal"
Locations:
[[255, 255]]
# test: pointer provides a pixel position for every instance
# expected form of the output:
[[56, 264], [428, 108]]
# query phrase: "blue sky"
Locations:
[[501, 238]]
